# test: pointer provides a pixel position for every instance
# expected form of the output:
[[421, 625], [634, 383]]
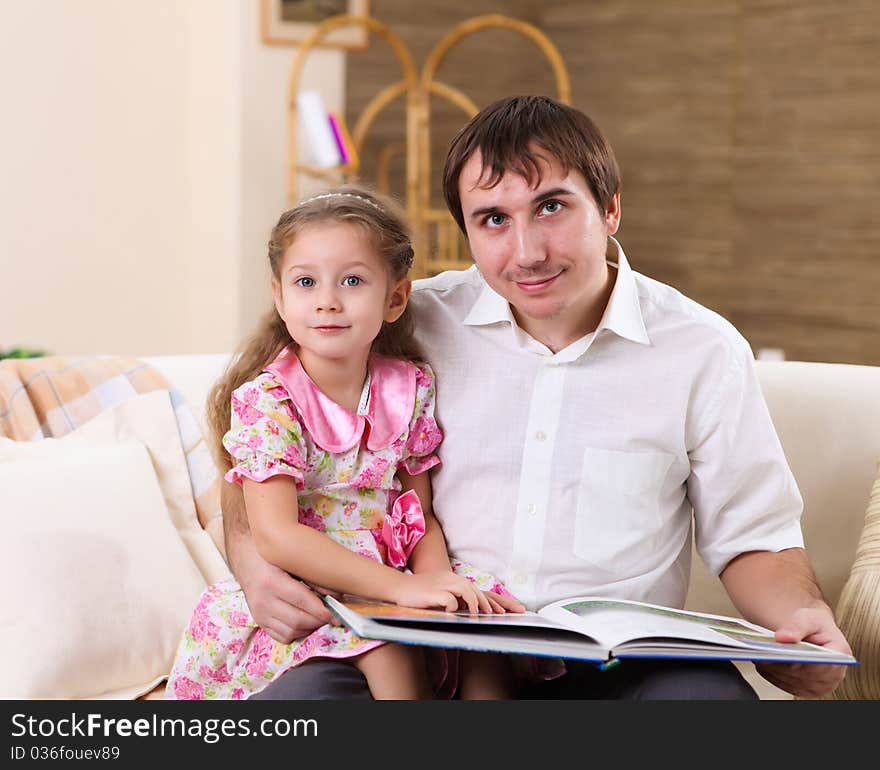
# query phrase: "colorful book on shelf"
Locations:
[[597, 629], [343, 140], [320, 142]]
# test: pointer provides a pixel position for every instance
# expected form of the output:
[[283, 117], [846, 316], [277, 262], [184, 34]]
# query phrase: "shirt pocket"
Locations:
[[618, 523]]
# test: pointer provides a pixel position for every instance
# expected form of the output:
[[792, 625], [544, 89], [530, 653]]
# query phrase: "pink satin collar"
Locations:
[[389, 408]]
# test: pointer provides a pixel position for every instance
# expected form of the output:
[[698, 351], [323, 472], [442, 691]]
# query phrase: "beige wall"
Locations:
[[266, 70], [142, 159]]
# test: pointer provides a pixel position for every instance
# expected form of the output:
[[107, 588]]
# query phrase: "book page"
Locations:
[[616, 621], [522, 633]]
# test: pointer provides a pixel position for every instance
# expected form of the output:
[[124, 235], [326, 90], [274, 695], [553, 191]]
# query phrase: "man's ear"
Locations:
[[612, 216], [397, 299]]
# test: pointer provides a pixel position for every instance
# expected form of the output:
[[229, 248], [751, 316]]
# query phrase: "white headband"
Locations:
[[341, 195], [409, 257]]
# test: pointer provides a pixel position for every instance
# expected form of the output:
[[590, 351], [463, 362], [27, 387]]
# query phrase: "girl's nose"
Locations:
[[327, 301]]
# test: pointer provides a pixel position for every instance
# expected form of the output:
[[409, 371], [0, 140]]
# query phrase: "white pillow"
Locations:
[[102, 559]]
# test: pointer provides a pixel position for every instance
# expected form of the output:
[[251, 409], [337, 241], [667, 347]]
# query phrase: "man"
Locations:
[[621, 414]]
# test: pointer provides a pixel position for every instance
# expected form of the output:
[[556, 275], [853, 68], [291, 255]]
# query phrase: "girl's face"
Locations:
[[334, 291]]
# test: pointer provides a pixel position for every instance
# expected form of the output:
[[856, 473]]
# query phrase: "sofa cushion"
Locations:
[[105, 551], [858, 611]]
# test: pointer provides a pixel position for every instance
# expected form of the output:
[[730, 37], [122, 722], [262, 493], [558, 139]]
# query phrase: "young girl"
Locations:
[[332, 434]]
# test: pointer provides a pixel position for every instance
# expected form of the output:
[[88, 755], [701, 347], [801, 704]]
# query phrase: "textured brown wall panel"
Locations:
[[807, 173], [747, 133]]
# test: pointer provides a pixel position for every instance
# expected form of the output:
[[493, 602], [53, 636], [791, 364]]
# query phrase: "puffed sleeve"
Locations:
[[265, 438], [424, 434]]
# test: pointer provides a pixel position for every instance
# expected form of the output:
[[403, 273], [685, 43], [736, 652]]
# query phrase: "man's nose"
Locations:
[[528, 247]]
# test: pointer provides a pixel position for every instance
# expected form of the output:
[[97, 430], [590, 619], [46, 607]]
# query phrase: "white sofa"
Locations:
[[828, 419]]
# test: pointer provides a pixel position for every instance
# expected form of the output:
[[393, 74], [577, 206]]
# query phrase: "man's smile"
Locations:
[[537, 284]]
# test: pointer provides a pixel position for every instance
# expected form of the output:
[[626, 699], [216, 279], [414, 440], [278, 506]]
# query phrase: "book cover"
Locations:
[[333, 119], [317, 133], [343, 140]]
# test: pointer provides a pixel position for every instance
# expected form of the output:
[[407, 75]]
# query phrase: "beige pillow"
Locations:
[[105, 553], [858, 611]]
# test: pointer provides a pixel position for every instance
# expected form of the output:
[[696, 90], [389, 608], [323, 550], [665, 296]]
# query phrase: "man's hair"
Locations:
[[507, 132]]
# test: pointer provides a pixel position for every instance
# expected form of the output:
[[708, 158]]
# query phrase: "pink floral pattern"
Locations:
[[245, 412], [186, 689], [346, 495], [423, 436], [374, 475]]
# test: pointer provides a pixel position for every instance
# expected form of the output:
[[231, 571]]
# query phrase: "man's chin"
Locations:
[[537, 309]]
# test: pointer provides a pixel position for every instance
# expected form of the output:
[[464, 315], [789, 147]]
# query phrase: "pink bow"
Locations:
[[403, 528]]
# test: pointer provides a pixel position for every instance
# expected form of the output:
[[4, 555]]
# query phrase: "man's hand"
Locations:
[[779, 590], [286, 608], [808, 680]]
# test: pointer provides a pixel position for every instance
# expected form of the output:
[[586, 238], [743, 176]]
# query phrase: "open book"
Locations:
[[586, 628]]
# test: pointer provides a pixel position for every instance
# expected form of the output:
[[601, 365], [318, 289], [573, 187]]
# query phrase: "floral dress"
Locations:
[[345, 468]]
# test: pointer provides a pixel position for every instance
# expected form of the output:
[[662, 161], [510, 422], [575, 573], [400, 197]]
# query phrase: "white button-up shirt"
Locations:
[[581, 472]]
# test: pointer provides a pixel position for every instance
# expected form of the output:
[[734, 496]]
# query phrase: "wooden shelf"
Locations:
[[437, 242], [308, 168]]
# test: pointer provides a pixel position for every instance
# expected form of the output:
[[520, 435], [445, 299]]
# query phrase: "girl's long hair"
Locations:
[[383, 222]]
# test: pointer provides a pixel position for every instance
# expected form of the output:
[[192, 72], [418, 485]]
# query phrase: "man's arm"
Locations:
[[286, 608], [779, 591], [747, 510]]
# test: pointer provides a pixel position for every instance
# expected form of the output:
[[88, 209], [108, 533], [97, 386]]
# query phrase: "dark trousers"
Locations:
[[631, 680]]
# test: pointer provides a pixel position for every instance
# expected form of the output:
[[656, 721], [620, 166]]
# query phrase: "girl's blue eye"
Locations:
[[351, 280], [305, 282]]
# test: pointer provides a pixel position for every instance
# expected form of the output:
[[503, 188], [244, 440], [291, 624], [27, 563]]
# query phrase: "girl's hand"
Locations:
[[501, 604], [441, 589]]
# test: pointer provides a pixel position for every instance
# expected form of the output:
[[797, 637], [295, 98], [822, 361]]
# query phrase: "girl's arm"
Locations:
[[430, 554], [281, 604], [314, 557]]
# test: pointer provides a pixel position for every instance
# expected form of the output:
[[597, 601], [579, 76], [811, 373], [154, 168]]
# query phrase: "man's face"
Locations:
[[541, 248]]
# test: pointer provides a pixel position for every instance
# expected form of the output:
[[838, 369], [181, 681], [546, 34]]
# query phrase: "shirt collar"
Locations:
[[390, 392], [490, 308], [623, 314]]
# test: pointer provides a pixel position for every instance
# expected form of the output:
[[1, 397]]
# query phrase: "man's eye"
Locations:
[[351, 280], [495, 220], [305, 282], [551, 207]]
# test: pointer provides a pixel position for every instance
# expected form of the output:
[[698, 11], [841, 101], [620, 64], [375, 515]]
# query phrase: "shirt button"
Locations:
[[519, 578], [532, 508], [540, 435]]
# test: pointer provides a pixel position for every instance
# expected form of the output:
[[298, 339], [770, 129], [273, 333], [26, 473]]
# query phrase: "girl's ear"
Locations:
[[397, 299], [276, 295]]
